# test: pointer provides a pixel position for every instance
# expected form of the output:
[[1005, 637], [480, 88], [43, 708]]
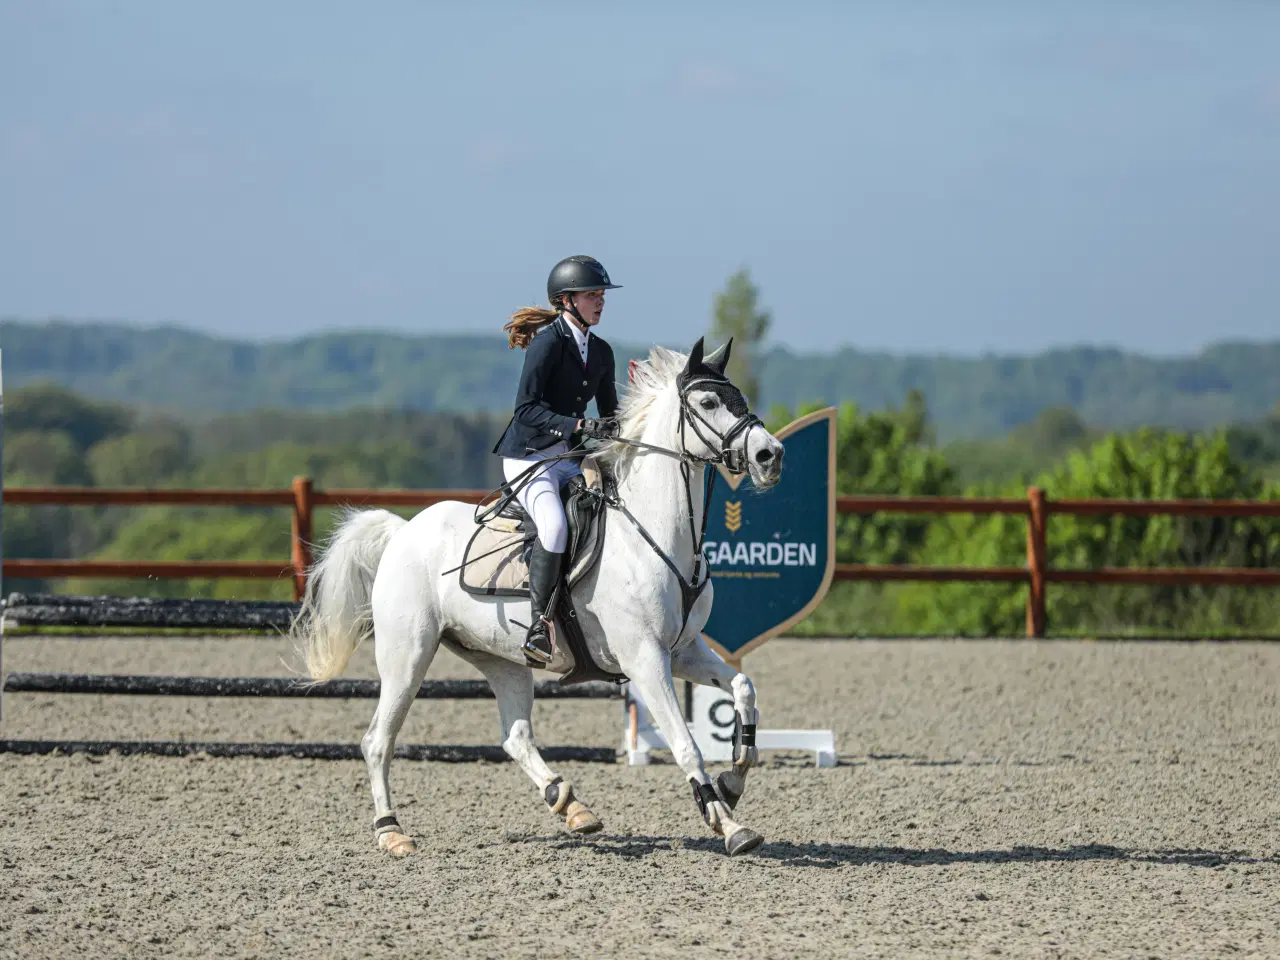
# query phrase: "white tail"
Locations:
[[336, 615]]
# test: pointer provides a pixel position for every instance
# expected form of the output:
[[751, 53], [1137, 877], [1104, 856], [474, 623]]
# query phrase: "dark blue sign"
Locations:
[[772, 553]]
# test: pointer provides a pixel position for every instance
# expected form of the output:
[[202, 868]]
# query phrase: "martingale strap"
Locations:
[[691, 589]]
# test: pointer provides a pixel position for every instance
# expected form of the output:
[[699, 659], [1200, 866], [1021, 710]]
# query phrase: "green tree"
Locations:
[[1029, 449], [41, 457], [737, 314], [44, 458], [367, 464], [146, 458], [46, 406], [184, 533]]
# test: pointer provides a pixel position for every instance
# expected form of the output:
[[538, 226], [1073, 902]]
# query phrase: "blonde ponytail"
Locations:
[[525, 322]]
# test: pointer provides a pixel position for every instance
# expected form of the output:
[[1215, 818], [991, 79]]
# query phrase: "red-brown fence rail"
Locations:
[[302, 499]]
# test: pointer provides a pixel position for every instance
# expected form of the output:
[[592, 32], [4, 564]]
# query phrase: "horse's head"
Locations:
[[716, 424]]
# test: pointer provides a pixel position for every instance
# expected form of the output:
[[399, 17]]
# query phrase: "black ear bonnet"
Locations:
[[708, 374]]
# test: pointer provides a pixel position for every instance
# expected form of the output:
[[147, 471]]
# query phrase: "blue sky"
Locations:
[[922, 177]]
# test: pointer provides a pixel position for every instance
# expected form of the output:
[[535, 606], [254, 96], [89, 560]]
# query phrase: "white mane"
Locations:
[[649, 379]]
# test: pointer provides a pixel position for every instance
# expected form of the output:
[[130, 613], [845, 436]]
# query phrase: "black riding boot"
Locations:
[[544, 572]]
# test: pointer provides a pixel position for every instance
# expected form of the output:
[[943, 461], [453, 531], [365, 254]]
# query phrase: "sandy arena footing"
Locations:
[[1024, 798]]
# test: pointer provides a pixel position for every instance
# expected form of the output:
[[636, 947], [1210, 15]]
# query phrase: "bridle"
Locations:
[[735, 461]]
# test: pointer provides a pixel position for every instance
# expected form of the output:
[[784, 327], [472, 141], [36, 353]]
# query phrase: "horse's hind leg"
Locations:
[[697, 662], [403, 647], [512, 685]]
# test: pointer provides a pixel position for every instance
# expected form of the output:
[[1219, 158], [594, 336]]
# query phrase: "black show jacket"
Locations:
[[554, 389]]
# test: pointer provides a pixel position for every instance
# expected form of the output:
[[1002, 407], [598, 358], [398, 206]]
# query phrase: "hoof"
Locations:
[[581, 821], [742, 841], [397, 844]]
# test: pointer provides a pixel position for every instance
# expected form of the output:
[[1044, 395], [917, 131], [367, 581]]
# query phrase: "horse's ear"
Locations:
[[695, 357], [717, 360]]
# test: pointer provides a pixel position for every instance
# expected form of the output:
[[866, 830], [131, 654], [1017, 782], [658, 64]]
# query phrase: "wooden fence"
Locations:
[[303, 498]]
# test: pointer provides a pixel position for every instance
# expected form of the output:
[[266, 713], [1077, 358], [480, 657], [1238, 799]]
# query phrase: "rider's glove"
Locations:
[[603, 429]]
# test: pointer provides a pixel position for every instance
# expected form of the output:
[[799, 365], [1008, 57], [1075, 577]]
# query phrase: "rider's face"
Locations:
[[590, 304]]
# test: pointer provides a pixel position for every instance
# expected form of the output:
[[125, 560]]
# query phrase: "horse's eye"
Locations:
[[708, 404]]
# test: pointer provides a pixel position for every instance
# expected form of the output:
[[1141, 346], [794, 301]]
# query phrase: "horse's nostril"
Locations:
[[764, 456]]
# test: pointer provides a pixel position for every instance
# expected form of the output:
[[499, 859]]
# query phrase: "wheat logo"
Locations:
[[733, 515]]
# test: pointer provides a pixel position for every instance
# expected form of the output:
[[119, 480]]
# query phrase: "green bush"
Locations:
[[185, 534], [1146, 465]]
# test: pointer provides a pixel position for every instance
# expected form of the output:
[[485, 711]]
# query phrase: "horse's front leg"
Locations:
[[697, 662], [650, 670]]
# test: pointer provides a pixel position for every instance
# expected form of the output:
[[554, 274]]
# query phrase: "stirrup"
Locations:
[[535, 654]]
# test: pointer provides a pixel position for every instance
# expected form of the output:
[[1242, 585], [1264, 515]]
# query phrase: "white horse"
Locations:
[[382, 574]]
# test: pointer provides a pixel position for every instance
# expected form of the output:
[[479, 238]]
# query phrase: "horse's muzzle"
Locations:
[[766, 466]]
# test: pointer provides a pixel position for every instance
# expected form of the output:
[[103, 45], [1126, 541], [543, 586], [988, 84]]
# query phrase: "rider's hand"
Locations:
[[602, 429]]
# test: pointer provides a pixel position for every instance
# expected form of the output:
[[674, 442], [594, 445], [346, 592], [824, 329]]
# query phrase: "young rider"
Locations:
[[565, 365]]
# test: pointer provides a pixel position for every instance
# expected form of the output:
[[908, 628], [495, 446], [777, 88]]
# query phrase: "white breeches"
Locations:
[[540, 497]]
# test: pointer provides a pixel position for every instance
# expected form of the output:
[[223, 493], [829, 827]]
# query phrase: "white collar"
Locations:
[[578, 335]]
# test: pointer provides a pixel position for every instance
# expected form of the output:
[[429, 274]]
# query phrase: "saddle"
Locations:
[[495, 562]]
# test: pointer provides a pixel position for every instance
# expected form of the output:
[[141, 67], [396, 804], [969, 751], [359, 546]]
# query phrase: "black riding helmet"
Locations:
[[575, 275]]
